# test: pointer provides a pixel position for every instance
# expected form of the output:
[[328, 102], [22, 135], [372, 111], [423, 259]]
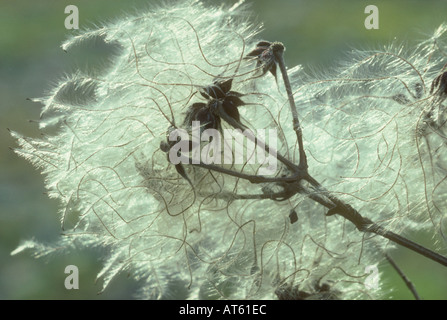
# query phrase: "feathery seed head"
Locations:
[[220, 231]]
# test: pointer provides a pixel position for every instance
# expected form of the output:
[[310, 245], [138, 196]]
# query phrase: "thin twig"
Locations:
[[292, 184], [278, 52], [408, 283]]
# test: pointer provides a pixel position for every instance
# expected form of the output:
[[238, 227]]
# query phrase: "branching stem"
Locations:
[[300, 181], [339, 207]]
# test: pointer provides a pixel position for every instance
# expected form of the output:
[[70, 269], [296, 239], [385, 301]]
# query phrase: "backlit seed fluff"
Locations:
[[374, 134]]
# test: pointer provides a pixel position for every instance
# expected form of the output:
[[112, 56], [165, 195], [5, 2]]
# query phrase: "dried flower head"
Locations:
[[240, 229]]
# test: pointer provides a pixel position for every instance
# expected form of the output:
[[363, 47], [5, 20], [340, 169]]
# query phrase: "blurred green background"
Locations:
[[316, 33]]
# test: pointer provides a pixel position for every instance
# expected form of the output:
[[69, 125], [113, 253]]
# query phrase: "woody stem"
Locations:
[[278, 52]]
